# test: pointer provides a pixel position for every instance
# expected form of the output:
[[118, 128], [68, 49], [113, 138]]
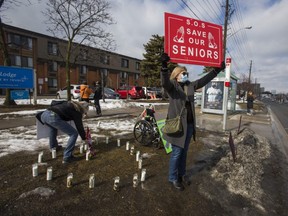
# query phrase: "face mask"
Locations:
[[183, 78]]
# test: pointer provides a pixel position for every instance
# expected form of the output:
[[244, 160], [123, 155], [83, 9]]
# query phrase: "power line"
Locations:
[[214, 11], [190, 9]]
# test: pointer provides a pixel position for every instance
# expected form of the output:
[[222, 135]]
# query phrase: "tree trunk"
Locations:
[[67, 68], [3, 47]]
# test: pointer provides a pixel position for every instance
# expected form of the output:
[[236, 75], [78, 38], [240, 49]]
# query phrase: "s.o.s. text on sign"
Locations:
[[193, 41]]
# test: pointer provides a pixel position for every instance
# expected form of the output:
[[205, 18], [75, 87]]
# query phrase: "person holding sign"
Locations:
[[181, 94]]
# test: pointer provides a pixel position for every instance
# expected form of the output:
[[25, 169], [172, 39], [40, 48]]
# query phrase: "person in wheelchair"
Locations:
[[145, 129], [149, 114]]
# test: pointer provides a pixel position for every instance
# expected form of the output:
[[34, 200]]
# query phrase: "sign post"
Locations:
[[192, 41], [35, 88], [226, 91]]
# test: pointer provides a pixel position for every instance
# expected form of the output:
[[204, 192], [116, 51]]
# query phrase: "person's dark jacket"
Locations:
[[177, 98], [98, 93], [250, 100], [67, 112]]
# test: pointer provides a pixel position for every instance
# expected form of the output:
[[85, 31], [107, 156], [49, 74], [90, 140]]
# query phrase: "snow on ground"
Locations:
[[24, 138]]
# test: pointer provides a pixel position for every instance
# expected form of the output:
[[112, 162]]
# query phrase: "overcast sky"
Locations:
[[266, 44]]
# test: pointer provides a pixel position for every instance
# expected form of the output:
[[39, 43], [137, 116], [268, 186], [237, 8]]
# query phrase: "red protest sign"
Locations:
[[193, 41]]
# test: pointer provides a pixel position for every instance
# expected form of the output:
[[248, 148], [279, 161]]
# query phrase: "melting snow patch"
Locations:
[[42, 191]]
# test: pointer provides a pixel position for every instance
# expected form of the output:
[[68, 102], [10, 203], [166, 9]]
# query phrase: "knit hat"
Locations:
[[177, 70], [81, 106]]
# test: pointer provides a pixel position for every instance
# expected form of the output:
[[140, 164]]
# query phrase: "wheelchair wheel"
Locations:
[[143, 132]]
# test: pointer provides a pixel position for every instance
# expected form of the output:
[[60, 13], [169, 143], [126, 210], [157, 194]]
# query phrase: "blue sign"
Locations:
[[16, 78], [19, 94]]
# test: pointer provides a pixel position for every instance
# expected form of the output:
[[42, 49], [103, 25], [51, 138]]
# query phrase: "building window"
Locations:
[[15, 60], [137, 65], [52, 66], [21, 61], [125, 63], [104, 59], [52, 83], [19, 41], [123, 75], [136, 76], [52, 48], [83, 69], [26, 43], [26, 62]]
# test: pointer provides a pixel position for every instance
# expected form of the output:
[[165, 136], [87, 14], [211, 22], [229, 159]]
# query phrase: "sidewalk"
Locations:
[[263, 122]]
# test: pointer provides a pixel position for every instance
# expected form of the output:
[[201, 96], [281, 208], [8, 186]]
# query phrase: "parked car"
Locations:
[[131, 92], [152, 90], [110, 93], [75, 92]]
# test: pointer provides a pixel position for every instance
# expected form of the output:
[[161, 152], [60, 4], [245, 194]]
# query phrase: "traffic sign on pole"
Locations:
[[226, 90]]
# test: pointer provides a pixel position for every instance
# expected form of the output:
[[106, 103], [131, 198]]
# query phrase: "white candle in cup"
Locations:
[[49, 174], [135, 180], [70, 180], [118, 142], [35, 170], [143, 175], [137, 155], [127, 145], [40, 157], [116, 183], [54, 153], [92, 181]]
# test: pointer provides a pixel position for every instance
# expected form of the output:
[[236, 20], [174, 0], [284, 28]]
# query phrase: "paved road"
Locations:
[[281, 111]]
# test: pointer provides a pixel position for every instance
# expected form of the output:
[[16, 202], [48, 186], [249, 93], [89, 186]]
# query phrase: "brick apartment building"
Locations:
[[45, 54]]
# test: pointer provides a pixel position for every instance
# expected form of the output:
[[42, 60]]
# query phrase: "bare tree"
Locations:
[[79, 22]]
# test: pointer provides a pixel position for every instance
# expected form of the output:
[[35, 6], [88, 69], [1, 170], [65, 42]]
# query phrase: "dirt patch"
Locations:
[[23, 194], [259, 182]]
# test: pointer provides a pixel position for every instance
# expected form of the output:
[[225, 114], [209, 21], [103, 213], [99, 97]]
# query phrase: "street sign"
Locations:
[[192, 41], [227, 72], [16, 78]]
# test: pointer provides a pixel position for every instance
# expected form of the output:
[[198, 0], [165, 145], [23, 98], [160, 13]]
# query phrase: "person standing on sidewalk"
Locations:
[[56, 117], [85, 92], [181, 93], [97, 97], [250, 101]]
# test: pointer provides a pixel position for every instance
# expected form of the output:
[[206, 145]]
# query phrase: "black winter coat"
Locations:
[[67, 112], [250, 100], [98, 93], [177, 98]]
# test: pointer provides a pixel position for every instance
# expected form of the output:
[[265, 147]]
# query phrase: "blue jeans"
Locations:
[[177, 163], [55, 123], [97, 106]]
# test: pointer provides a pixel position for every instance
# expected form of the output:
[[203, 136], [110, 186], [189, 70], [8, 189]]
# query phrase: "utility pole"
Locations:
[[225, 28], [249, 79], [227, 79]]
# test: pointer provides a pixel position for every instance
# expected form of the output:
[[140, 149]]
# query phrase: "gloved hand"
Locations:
[[221, 68], [164, 60]]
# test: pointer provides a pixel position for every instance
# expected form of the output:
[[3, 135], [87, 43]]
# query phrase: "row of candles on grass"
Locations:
[[84, 147], [92, 176]]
